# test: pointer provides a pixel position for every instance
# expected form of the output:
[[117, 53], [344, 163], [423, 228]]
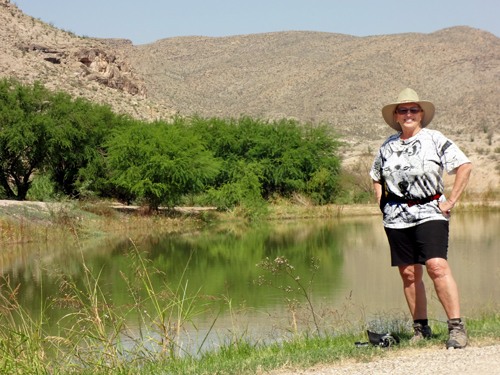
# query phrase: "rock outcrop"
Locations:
[[106, 68], [95, 64]]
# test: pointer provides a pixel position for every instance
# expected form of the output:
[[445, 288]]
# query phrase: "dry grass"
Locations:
[[30, 223]]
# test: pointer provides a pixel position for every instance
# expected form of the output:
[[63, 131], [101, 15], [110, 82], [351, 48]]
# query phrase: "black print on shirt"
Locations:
[[445, 147], [405, 174]]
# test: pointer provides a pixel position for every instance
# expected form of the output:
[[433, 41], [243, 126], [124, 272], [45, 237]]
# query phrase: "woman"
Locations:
[[407, 176]]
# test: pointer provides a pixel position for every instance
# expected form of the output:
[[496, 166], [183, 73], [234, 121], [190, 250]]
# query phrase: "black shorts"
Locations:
[[416, 245]]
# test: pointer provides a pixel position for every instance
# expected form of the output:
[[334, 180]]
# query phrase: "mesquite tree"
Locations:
[[25, 135], [81, 128], [285, 155], [160, 162], [43, 131]]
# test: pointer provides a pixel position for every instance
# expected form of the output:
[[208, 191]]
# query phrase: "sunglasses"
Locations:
[[404, 110]]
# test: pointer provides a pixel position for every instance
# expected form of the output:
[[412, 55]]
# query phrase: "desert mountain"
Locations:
[[314, 77], [340, 79]]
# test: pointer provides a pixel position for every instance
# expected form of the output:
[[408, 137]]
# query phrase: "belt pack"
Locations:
[[412, 202]]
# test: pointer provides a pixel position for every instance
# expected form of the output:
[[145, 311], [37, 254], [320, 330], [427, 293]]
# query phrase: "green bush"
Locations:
[[286, 154], [43, 188], [323, 185], [160, 162], [244, 189]]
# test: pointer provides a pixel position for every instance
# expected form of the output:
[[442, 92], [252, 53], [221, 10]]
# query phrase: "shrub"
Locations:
[[287, 154], [42, 188], [244, 189], [323, 185], [160, 162]]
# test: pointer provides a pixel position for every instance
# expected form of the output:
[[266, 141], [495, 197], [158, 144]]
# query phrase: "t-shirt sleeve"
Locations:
[[376, 170], [449, 153]]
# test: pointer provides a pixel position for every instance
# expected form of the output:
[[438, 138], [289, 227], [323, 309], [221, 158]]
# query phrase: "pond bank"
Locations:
[[26, 221]]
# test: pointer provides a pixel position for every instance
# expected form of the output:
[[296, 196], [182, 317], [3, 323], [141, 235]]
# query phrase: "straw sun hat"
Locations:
[[408, 96]]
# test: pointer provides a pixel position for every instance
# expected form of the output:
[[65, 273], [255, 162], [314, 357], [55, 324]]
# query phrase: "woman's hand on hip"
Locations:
[[445, 208]]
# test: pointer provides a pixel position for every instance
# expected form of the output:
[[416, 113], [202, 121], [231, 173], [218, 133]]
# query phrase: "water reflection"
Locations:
[[222, 261]]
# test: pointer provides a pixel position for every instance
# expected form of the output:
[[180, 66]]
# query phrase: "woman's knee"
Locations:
[[411, 274], [437, 268]]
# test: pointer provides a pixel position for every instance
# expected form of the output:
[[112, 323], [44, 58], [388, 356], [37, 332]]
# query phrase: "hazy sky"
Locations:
[[145, 21]]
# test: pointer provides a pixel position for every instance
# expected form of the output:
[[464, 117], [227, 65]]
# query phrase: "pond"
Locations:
[[220, 263]]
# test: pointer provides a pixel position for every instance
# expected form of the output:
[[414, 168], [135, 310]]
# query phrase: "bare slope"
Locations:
[[341, 79]]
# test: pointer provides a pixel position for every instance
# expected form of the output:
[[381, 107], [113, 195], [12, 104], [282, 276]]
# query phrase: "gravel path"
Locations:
[[471, 360]]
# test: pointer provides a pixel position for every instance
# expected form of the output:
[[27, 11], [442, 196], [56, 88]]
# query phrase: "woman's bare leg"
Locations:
[[446, 288], [414, 290]]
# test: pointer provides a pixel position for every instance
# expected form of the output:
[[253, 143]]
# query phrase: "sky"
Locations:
[[145, 21]]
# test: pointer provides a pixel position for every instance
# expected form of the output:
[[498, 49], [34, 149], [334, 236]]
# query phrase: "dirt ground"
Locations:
[[478, 360]]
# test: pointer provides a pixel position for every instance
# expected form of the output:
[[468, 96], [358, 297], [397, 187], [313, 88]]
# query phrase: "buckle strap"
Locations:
[[413, 202]]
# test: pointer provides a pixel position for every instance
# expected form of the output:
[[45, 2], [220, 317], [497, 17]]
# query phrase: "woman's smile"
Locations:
[[410, 122]]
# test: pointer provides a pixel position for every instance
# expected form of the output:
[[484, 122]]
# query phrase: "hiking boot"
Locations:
[[421, 332], [458, 334]]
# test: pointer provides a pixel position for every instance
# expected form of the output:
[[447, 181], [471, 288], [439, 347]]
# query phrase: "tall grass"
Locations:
[[93, 333], [25, 347]]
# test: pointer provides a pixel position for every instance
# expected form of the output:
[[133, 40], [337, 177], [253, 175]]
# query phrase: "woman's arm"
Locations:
[[378, 190], [461, 180]]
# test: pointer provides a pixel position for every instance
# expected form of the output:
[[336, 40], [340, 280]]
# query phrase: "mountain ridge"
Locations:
[[317, 76]]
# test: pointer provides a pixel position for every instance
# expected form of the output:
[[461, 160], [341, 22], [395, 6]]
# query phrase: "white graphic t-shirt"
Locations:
[[413, 169]]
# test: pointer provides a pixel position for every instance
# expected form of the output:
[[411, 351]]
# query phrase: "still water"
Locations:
[[354, 266]]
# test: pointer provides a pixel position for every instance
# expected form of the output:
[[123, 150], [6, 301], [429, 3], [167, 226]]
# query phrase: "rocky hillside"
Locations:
[[33, 50], [343, 80]]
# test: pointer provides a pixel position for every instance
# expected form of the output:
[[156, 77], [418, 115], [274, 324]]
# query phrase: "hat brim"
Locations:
[[390, 117]]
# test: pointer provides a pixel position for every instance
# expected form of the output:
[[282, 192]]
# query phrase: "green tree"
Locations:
[[25, 135], [287, 154], [53, 133], [81, 128], [160, 162]]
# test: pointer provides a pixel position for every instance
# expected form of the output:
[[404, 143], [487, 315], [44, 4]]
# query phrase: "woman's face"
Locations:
[[409, 121]]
